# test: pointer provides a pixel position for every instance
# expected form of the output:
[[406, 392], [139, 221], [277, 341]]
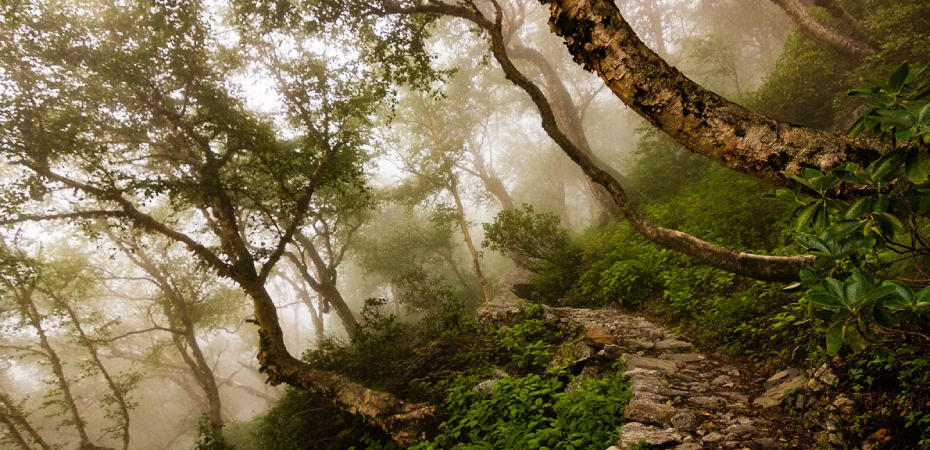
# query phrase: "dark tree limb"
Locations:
[[602, 41], [847, 45]]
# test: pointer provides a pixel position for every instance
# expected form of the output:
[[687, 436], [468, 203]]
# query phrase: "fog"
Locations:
[[126, 327]]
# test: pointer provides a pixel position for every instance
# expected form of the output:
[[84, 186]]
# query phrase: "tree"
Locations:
[[112, 109], [42, 296]]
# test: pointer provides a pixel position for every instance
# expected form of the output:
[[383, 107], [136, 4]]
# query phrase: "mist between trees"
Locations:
[[204, 202]]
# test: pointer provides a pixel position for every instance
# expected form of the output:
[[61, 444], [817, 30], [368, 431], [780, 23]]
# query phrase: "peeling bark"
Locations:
[[847, 45], [705, 123]]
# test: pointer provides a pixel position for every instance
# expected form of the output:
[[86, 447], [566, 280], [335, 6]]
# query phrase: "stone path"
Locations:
[[682, 400]]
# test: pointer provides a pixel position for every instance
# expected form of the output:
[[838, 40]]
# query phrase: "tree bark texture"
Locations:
[[602, 41]]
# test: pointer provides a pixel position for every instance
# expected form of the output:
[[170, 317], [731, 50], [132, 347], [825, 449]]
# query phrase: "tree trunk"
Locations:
[[118, 394], [463, 224], [14, 418], [847, 45], [705, 123], [31, 313]]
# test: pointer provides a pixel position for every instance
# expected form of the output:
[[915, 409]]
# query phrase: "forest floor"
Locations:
[[681, 399]]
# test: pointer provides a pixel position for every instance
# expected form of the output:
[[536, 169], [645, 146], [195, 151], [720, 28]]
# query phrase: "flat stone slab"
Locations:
[[649, 412], [642, 362], [775, 396], [683, 358], [633, 433], [673, 344]]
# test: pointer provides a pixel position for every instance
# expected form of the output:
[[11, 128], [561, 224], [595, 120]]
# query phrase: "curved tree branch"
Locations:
[[601, 40], [830, 37]]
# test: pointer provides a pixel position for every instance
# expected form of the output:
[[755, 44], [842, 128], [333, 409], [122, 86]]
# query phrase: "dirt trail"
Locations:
[[682, 400]]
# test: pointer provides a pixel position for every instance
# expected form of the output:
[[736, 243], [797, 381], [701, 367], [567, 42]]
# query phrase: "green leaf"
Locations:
[[858, 208], [923, 117], [917, 165], [805, 216], [886, 164], [832, 286], [811, 242], [798, 179], [835, 338], [880, 203], [844, 227], [854, 287], [807, 274], [902, 118], [873, 295], [889, 224], [827, 300], [898, 78]]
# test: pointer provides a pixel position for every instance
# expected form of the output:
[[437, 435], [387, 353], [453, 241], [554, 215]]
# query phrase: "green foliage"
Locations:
[[294, 423], [524, 341], [529, 238], [845, 292], [533, 413]]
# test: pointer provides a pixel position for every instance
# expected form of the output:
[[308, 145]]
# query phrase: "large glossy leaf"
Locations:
[[858, 208], [811, 242], [903, 295], [844, 227], [854, 287], [902, 118], [872, 296], [828, 300], [889, 224], [880, 203], [832, 286]]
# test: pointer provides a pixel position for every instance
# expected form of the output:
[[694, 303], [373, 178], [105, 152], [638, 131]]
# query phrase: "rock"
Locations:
[[683, 358], [569, 354], [878, 435], [685, 421], [689, 446], [822, 438], [587, 372], [633, 433], [648, 412], [836, 439], [673, 344], [721, 380], [712, 438], [632, 373], [765, 444], [775, 396], [486, 388], [598, 336], [634, 362], [781, 377], [649, 397], [706, 402], [637, 344], [742, 430], [735, 396]]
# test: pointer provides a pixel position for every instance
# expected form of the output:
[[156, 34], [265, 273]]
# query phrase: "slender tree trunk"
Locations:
[[118, 394], [463, 224], [847, 45], [13, 433], [31, 313], [14, 419], [324, 283]]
